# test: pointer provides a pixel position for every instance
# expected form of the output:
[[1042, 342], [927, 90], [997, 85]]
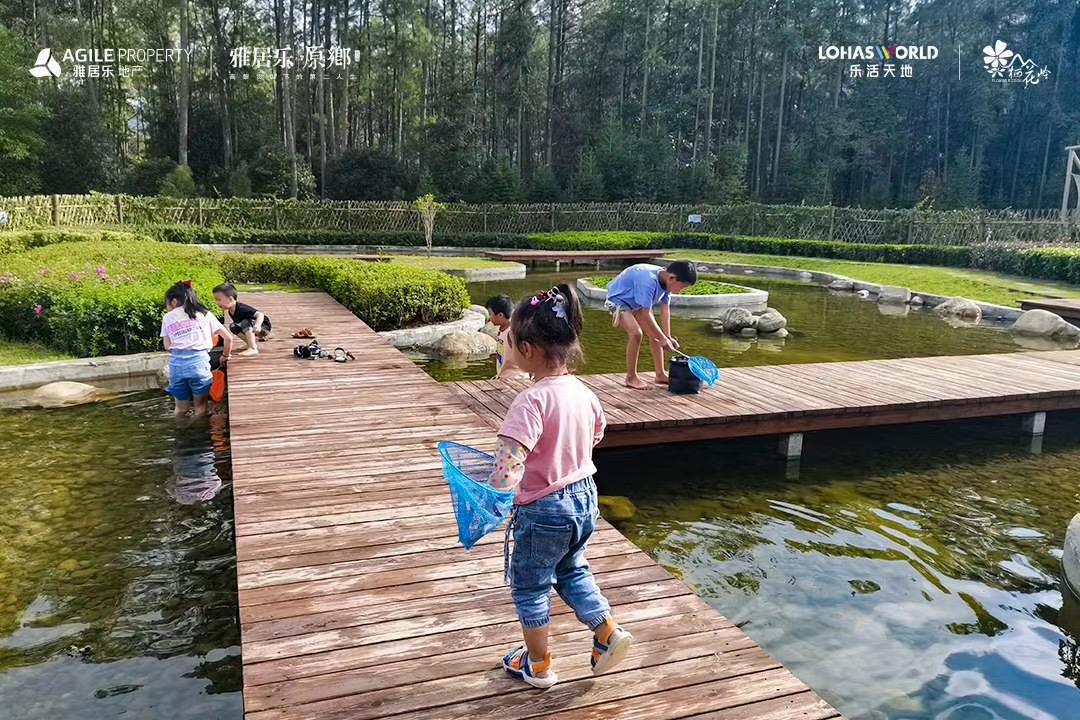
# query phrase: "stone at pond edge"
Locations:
[[775, 334], [845, 285], [737, 318], [64, 393], [863, 294], [1043, 323], [748, 333], [473, 344], [770, 321], [959, 307], [616, 507], [916, 300], [490, 329], [893, 295]]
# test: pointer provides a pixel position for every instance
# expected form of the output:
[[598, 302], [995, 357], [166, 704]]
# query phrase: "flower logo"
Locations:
[[996, 58]]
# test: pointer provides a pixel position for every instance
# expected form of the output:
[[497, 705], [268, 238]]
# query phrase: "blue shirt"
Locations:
[[638, 286]]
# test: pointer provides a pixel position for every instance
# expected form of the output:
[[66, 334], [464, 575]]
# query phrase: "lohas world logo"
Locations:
[[1006, 66], [880, 53], [45, 65]]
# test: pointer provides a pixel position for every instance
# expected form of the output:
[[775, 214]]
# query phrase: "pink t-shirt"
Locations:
[[558, 420]]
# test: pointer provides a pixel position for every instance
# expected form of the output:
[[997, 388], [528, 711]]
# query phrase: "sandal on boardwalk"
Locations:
[[341, 355], [608, 654], [518, 665], [303, 333]]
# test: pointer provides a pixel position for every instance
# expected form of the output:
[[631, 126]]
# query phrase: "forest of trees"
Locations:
[[551, 100]]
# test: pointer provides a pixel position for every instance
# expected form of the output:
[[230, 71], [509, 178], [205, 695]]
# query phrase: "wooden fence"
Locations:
[[961, 227]]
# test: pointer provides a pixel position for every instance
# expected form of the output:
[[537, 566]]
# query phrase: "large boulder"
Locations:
[[490, 329], [1070, 558], [842, 284], [960, 308], [736, 318], [770, 321], [616, 507], [64, 393], [893, 295], [1043, 323], [470, 344]]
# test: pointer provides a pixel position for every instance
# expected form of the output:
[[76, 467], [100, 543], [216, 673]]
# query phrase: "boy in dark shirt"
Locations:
[[242, 319]]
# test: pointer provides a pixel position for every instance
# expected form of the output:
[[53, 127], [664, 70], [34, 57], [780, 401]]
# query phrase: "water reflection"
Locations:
[[899, 584], [117, 585]]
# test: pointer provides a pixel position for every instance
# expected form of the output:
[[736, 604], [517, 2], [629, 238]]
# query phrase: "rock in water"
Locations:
[[64, 393], [863, 294], [1070, 559], [960, 307], [737, 318], [490, 329], [616, 507], [770, 321], [1043, 323], [842, 285], [748, 333], [472, 344], [893, 295], [775, 334]]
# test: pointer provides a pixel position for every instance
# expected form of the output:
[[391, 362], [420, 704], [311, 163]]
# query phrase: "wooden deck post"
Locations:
[[1035, 423], [558, 265], [791, 469], [791, 446]]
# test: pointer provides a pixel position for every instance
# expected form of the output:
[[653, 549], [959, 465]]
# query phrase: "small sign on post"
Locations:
[[693, 219]]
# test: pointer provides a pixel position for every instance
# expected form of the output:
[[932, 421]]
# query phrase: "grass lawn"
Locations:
[[14, 353], [704, 286], [447, 262], [973, 284]]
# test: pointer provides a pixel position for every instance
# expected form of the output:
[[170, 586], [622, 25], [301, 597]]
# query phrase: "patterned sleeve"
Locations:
[[509, 464]]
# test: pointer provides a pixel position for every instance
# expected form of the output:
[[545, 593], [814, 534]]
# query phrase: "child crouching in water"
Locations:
[[188, 331], [546, 443]]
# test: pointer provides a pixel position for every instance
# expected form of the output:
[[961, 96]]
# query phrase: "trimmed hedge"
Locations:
[[382, 295], [97, 297], [194, 234], [704, 286], [23, 240]]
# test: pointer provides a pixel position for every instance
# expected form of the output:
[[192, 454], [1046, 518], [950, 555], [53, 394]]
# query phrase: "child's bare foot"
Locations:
[[633, 381], [249, 352], [661, 379]]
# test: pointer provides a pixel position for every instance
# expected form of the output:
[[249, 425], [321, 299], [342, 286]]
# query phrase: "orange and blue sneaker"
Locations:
[[518, 664], [610, 645]]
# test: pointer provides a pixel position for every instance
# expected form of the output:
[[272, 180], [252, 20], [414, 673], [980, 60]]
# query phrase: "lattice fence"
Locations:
[[962, 227]]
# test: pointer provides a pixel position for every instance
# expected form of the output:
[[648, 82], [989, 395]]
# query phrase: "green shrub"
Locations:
[[179, 183], [97, 297], [953, 256], [595, 240], [215, 235], [20, 241], [382, 295]]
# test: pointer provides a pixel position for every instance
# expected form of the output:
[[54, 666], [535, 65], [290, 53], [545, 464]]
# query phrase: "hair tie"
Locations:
[[185, 283]]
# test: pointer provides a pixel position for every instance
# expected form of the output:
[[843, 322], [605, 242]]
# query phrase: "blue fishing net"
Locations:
[[478, 506], [704, 369]]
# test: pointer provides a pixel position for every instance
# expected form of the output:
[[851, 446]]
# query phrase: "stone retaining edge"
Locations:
[[87, 370], [470, 321], [753, 299]]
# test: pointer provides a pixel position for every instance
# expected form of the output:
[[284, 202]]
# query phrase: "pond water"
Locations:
[[117, 566], [824, 327], [909, 573]]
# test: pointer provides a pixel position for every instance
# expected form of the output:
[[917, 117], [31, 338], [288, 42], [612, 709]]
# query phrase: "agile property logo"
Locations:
[[45, 65], [879, 53]]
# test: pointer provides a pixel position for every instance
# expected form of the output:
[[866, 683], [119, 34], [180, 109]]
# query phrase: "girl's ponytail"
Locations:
[[574, 316], [182, 292]]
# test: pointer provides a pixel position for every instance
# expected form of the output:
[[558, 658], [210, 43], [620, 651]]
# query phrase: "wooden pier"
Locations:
[[793, 399], [1067, 308], [356, 600], [595, 257]]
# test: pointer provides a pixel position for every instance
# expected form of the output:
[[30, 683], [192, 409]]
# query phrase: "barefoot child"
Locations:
[[500, 308], [188, 331], [546, 442], [242, 319], [630, 299]]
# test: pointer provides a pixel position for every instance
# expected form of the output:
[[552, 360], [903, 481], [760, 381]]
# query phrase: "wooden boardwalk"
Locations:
[[782, 399], [356, 600], [573, 256], [1068, 308]]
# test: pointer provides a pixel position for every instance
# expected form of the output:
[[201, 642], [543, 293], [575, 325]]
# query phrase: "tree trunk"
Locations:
[[320, 102], [760, 129], [185, 72], [553, 8], [697, 93], [645, 71], [780, 120], [712, 81]]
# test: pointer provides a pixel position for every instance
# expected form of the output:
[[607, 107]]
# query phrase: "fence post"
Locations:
[[618, 210], [485, 217], [55, 203], [982, 226], [832, 220], [198, 205], [753, 222], [911, 226], [277, 215], [119, 210], [552, 217]]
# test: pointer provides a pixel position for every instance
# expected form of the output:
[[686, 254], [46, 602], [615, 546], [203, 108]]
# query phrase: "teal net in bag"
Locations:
[[704, 368], [478, 506]]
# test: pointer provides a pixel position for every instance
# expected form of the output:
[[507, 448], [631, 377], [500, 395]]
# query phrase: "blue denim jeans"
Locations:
[[549, 551]]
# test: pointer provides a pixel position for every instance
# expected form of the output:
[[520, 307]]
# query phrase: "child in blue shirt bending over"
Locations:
[[630, 300]]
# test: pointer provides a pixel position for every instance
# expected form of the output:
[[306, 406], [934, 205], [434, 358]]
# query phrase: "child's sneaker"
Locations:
[[517, 663], [610, 645]]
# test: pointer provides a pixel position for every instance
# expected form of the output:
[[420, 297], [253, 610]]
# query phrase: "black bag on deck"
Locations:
[[681, 380]]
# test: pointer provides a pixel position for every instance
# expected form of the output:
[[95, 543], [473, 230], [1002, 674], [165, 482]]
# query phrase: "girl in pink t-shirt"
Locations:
[[545, 444]]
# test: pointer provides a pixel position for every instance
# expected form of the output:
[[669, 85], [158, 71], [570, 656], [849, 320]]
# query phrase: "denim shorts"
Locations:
[[550, 536], [189, 374]]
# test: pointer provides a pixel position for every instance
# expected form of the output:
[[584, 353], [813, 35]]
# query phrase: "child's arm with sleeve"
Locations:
[[509, 464]]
